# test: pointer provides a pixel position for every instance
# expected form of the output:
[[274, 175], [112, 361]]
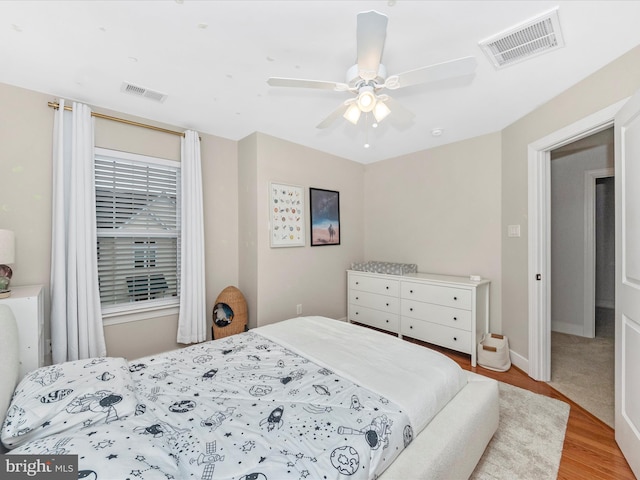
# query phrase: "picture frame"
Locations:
[[324, 208], [286, 215]]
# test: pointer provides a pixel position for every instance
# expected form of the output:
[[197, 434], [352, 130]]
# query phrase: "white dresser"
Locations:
[[449, 311], [27, 304]]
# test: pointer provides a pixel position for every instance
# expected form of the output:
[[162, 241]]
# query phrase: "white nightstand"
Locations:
[[27, 304]]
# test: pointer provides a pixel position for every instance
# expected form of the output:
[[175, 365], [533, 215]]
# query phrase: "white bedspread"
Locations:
[[429, 378]]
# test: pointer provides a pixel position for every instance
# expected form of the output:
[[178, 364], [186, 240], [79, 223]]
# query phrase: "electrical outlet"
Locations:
[[299, 309]]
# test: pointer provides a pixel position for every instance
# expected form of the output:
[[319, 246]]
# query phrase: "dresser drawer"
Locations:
[[448, 296], [375, 301], [448, 316], [374, 318], [448, 337], [382, 286]]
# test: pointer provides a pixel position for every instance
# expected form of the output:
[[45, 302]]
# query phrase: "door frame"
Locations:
[[590, 177], [539, 227]]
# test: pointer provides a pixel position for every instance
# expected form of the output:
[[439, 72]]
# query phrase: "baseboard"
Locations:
[[519, 361], [343, 319], [568, 328]]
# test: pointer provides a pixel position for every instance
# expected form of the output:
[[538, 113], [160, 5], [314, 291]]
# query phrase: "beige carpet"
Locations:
[[583, 370], [529, 440]]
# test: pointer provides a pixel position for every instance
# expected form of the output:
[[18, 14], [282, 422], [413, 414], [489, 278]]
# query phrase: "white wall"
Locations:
[[614, 82], [440, 209], [568, 167], [278, 279]]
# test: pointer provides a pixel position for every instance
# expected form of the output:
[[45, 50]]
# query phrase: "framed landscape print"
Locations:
[[286, 215], [325, 217]]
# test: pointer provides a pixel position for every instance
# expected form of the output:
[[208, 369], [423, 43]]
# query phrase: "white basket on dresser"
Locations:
[[444, 310]]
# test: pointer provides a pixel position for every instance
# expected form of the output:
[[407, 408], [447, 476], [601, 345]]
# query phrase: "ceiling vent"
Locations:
[[528, 39], [143, 92]]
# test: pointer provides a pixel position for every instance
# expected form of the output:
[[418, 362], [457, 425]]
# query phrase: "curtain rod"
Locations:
[[121, 120]]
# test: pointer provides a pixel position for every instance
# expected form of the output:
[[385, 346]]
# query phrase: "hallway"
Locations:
[[583, 368]]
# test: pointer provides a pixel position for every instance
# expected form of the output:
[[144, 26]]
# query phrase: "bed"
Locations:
[[308, 397]]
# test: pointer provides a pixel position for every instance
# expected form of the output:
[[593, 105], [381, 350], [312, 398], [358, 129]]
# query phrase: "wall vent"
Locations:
[[526, 40], [138, 91]]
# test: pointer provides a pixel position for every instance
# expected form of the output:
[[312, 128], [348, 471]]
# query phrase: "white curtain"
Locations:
[[193, 319], [76, 319]]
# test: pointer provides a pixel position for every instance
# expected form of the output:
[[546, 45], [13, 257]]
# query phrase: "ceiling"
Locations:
[[213, 59]]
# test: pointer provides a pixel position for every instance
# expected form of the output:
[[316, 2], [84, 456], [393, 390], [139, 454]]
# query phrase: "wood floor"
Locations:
[[590, 450]]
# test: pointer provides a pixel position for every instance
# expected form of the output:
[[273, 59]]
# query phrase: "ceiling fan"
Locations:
[[368, 77]]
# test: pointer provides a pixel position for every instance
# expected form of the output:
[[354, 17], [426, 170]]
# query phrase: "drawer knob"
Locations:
[[387, 321], [387, 288], [410, 291], [411, 326], [357, 298], [387, 304], [357, 313], [455, 319], [455, 298], [411, 309], [357, 283], [455, 339]]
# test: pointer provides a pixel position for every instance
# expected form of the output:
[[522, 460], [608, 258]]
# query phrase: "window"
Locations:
[[138, 231]]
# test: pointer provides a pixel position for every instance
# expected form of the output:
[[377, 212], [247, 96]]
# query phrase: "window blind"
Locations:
[[138, 229]]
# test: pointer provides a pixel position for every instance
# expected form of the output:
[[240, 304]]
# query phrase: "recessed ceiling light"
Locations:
[[366, 145], [436, 132]]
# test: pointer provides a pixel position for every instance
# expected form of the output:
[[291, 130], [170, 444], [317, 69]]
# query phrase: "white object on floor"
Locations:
[[493, 352]]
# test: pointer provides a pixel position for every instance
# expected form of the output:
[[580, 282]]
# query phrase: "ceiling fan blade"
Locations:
[[433, 73], [400, 115], [301, 83], [337, 113], [371, 34]]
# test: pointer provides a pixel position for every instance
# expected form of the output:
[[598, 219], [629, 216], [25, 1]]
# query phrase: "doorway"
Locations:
[[539, 237], [583, 272]]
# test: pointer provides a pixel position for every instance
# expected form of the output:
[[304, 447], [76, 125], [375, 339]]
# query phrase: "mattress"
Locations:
[[289, 400]]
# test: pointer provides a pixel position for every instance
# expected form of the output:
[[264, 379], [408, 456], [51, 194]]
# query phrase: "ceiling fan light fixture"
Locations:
[[380, 111], [366, 99], [352, 113]]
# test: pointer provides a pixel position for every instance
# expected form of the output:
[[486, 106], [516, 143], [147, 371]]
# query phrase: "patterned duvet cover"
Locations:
[[242, 407]]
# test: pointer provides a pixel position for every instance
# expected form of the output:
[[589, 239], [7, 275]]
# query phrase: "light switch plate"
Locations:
[[513, 231]]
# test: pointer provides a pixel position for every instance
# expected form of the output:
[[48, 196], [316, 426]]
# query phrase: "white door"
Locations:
[[627, 363]]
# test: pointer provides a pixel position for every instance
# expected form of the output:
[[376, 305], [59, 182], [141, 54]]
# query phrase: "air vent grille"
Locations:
[[143, 92], [533, 37]]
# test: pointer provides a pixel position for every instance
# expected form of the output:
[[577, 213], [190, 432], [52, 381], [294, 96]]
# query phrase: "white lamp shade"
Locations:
[[380, 111], [7, 247], [352, 114], [366, 99]]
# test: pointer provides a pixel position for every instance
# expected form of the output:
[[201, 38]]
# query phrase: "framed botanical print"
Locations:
[[325, 217]]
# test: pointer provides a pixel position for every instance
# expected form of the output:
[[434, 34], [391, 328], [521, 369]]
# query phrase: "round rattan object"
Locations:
[[229, 313]]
